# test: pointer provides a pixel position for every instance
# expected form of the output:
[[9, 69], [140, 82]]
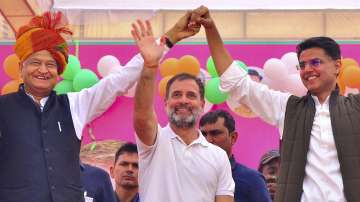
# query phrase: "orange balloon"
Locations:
[[189, 64], [168, 67], [349, 62], [10, 87], [351, 76], [341, 84], [162, 85], [11, 66]]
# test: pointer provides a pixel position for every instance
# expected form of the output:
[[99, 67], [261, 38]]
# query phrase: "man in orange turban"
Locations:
[[40, 132]]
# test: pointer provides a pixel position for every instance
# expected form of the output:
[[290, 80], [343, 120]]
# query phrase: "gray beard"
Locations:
[[183, 122]]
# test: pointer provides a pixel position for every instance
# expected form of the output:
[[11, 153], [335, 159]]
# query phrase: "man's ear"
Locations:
[[233, 136], [338, 65], [111, 169]]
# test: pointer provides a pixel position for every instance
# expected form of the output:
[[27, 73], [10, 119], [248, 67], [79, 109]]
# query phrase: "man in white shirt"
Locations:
[[176, 163], [320, 131]]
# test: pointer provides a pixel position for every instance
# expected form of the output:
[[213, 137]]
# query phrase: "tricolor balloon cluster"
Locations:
[[75, 78]]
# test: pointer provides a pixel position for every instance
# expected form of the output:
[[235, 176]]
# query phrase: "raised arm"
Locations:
[[145, 122], [221, 56], [268, 104]]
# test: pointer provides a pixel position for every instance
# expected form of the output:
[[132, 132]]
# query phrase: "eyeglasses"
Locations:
[[313, 63]]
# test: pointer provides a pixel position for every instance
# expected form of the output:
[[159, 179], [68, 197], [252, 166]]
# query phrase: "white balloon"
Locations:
[[106, 63], [275, 69], [351, 91], [274, 84], [295, 86], [291, 61]]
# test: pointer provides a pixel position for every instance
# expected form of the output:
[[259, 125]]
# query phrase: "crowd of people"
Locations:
[[183, 161]]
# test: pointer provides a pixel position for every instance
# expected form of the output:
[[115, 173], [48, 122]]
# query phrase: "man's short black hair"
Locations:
[[182, 77], [329, 45], [213, 116], [126, 148]]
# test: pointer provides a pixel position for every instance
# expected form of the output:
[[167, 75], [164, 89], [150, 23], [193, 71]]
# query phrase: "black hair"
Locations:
[[126, 148], [213, 116], [182, 77], [329, 45]]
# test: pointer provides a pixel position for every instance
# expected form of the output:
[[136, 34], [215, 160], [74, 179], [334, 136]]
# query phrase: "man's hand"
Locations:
[[182, 30], [144, 38], [201, 15]]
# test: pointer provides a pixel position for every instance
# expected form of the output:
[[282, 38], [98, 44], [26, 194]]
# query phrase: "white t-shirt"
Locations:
[[172, 171]]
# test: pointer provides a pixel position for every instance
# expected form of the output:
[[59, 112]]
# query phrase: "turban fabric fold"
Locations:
[[44, 33]]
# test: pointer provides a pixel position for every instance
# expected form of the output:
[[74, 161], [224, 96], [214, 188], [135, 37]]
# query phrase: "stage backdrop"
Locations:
[[255, 136]]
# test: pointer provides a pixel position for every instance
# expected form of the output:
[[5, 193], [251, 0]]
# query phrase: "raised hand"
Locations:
[[144, 39], [201, 15], [181, 29]]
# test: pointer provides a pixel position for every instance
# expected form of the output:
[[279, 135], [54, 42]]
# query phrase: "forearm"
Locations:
[[220, 55], [224, 199], [145, 122]]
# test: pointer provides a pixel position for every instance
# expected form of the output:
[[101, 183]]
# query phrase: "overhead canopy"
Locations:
[[212, 4]]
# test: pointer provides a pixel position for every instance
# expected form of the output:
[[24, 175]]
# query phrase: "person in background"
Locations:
[[125, 173], [270, 167], [219, 128], [96, 183]]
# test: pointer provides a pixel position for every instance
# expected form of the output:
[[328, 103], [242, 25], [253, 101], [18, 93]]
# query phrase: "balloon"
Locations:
[[351, 91], [291, 61], [204, 76], [188, 64], [274, 84], [72, 68], [242, 65], [11, 87], [64, 87], [131, 91], [11, 66], [162, 85], [210, 65], [84, 79], [105, 64], [295, 86], [349, 62], [169, 67], [275, 69], [351, 76], [213, 93], [240, 109]]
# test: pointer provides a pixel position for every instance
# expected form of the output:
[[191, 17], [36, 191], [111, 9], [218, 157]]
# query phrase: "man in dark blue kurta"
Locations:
[[219, 128]]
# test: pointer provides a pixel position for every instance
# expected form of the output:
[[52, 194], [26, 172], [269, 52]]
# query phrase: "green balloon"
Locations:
[[210, 65], [72, 68], [213, 93], [85, 78], [64, 87], [242, 65]]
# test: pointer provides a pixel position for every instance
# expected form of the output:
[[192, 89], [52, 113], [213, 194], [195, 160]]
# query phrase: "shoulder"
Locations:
[[96, 172], [247, 174]]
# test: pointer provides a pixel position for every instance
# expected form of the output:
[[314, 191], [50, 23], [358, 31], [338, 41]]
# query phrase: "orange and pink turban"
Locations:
[[44, 33]]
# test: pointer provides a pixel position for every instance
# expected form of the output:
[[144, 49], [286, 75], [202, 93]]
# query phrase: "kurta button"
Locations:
[[53, 187], [44, 131], [47, 150], [50, 168]]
